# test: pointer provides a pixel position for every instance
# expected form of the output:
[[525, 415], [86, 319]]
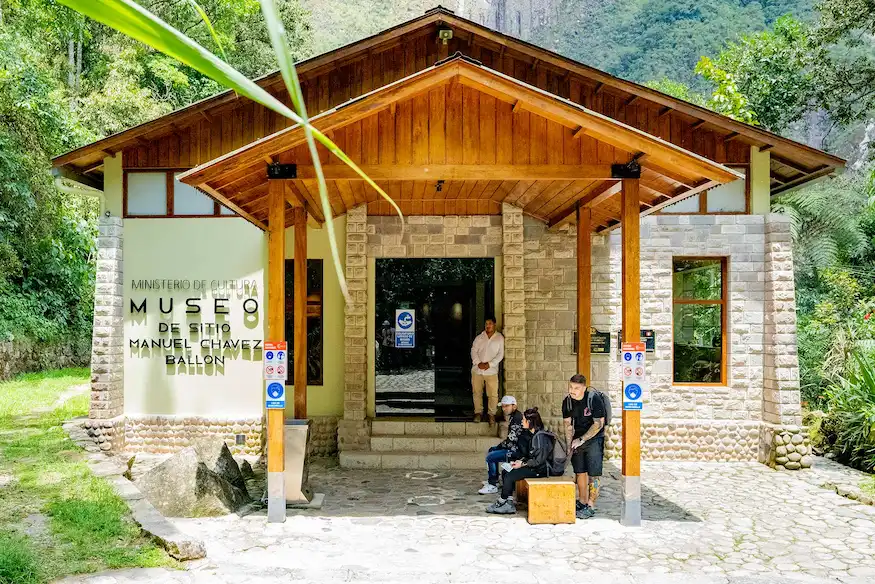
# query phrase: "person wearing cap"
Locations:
[[487, 352], [507, 449]]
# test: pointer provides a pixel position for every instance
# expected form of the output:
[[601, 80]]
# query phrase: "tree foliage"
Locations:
[[65, 81]]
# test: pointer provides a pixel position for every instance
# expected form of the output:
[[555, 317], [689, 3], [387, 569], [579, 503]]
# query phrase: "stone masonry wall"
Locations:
[[516, 356], [784, 441], [21, 356], [720, 421], [477, 236], [353, 432], [106, 413]]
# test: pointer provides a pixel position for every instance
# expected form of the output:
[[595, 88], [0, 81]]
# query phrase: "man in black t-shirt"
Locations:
[[583, 411]]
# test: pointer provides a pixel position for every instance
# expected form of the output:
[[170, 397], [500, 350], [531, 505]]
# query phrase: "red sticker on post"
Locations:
[[274, 361]]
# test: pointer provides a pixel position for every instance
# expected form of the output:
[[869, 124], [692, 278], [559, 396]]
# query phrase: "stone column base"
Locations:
[[108, 434], [353, 435], [323, 436], [785, 447]]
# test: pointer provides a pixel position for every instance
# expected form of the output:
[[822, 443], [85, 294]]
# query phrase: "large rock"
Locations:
[[214, 453], [183, 486]]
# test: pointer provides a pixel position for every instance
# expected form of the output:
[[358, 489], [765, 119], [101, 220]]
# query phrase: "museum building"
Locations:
[[568, 203]]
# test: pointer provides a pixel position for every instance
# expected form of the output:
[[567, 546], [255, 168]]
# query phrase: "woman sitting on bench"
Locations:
[[534, 465]]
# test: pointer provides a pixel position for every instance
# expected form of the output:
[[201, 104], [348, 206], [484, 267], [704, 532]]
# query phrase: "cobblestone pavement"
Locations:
[[703, 523]]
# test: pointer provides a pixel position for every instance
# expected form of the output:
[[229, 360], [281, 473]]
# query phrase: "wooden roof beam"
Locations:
[[766, 147], [664, 111], [225, 201], [518, 106], [294, 199], [430, 172], [697, 125], [633, 99], [591, 198], [803, 179], [730, 137], [795, 165]]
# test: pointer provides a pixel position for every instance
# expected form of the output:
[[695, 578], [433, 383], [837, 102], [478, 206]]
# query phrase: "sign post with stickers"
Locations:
[[405, 328], [634, 374], [276, 372]]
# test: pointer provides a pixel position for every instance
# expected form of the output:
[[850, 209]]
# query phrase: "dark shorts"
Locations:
[[588, 458]]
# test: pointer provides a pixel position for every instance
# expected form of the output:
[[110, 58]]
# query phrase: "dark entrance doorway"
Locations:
[[451, 298]]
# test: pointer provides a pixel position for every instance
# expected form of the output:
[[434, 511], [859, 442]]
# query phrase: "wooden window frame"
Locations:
[[703, 198], [724, 319], [169, 172]]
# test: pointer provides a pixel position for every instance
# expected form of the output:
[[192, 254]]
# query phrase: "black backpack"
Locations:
[[605, 400], [559, 458]]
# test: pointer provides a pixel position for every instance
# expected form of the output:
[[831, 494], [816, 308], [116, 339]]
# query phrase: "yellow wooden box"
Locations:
[[551, 500]]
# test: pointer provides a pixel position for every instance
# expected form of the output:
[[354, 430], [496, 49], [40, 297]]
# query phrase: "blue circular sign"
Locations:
[[280, 355], [633, 391], [639, 356], [627, 356], [275, 390], [405, 320], [268, 355]]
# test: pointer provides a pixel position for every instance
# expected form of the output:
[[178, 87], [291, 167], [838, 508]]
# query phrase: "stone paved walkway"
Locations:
[[704, 523]]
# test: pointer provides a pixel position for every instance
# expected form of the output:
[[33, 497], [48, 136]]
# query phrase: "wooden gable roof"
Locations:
[[212, 127], [463, 124]]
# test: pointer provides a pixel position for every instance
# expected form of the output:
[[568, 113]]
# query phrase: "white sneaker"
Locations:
[[488, 489]]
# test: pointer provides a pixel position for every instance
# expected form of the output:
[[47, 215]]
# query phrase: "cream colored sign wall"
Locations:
[[194, 310]]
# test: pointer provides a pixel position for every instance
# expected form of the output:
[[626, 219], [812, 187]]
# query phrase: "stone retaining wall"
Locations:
[[18, 357]]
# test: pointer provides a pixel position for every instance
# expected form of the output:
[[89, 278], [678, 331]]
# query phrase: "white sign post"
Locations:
[[405, 328], [634, 374], [275, 374]]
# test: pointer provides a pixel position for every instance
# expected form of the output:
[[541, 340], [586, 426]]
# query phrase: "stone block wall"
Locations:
[[784, 441], [107, 352], [21, 356], [353, 431], [477, 236], [678, 420], [516, 356]]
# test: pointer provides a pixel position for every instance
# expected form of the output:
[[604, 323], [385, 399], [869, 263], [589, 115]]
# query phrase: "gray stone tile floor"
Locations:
[[703, 523]]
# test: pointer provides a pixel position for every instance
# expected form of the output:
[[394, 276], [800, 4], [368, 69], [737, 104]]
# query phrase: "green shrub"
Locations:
[[18, 562], [852, 408]]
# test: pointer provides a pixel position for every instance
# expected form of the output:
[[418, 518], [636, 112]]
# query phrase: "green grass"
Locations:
[[868, 486], [87, 527]]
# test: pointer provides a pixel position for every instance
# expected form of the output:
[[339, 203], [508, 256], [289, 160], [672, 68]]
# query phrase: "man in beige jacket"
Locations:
[[486, 354]]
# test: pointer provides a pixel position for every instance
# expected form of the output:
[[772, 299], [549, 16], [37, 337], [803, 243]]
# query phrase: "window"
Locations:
[[699, 316], [728, 199], [157, 193], [314, 319]]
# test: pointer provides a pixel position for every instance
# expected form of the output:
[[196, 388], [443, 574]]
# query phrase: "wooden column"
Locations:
[[631, 277], [276, 318], [584, 290], [300, 313]]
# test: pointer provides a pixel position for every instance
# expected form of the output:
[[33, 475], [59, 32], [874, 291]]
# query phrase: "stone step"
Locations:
[[413, 460], [413, 427], [424, 443]]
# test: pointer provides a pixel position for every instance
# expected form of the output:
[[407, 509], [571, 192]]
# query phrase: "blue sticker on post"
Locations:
[[276, 396], [632, 397]]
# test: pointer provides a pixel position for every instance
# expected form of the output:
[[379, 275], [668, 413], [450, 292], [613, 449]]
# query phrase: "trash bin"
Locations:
[[297, 462]]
